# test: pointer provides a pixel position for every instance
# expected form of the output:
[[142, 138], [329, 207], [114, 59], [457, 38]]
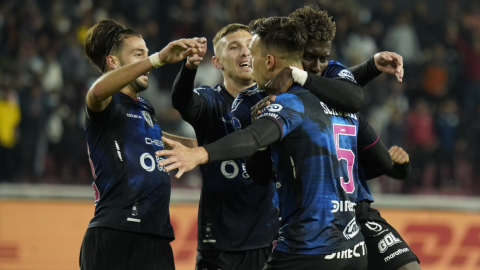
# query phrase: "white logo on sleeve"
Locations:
[[373, 226], [345, 73], [147, 117], [274, 108], [387, 241]]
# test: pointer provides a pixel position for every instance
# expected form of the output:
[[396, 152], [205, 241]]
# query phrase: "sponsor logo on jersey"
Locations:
[[236, 124], [147, 117], [235, 104], [373, 226], [387, 241], [273, 108], [278, 185], [398, 252], [230, 169], [274, 115], [343, 206], [358, 250], [351, 230], [345, 73], [150, 168], [133, 116], [150, 141]]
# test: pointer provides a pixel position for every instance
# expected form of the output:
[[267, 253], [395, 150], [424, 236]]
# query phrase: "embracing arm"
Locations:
[[365, 72], [337, 93]]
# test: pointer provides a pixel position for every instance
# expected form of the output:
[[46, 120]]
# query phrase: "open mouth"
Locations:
[[244, 65]]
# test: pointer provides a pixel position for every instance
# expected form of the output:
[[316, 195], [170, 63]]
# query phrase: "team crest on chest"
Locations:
[[147, 117]]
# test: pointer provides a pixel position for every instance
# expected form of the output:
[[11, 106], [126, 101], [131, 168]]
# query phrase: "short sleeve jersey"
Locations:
[[235, 214], [315, 164], [132, 192]]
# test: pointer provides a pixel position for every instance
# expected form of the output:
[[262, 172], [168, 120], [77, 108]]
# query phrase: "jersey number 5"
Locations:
[[345, 154]]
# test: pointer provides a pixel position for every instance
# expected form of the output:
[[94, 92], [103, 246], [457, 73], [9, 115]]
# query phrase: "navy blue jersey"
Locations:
[[315, 164], [132, 192], [234, 213]]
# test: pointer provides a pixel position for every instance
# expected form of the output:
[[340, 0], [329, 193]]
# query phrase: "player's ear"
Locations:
[[270, 62], [216, 63], [112, 62]]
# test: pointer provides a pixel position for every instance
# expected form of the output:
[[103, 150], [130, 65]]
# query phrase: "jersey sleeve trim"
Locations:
[[372, 143]]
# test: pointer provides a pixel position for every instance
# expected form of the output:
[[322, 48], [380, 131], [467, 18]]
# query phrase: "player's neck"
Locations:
[[129, 92], [235, 87]]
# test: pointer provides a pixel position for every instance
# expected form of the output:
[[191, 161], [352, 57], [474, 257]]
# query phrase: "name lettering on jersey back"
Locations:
[[333, 111], [343, 206]]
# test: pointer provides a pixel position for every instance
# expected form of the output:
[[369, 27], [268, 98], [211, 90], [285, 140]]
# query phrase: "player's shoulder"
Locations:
[[252, 91], [336, 69], [208, 90], [292, 98]]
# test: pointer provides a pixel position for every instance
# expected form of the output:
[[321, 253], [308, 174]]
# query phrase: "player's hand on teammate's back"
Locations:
[[280, 82], [257, 108], [194, 61], [177, 50], [398, 155], [390, 62], [181, 157]]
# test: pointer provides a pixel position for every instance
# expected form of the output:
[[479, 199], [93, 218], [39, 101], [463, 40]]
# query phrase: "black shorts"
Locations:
[[354, 258], [386, 248], [232, 260], [105, 249]]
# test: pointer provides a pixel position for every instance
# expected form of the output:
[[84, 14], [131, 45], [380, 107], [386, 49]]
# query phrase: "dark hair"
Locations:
[[286, 36], [231, 28], [318, 24], [103, 38]]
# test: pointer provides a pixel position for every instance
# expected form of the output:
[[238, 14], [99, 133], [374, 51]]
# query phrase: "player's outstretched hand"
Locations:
[[182, 158], [398, 155], [179, 49], [257, 108], [280, 82], [390, 62]]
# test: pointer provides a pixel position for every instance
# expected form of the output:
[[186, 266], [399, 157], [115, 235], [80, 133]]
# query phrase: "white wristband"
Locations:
[[299, 76], [155, 60]]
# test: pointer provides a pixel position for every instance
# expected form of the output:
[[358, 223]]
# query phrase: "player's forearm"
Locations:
[[188, 142], [365, 72], [183, 98], [244, 143], [341, 94], [115, 80], [400, 171]]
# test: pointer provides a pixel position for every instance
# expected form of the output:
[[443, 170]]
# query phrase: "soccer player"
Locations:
[[315, 62], [131, 226], [306, 158], [229, 197]]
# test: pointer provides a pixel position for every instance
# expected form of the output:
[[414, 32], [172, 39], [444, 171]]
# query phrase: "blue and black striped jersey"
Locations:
[[132, 192]]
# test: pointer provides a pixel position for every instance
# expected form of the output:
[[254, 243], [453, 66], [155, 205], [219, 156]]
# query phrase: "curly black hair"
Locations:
[[317, 22]]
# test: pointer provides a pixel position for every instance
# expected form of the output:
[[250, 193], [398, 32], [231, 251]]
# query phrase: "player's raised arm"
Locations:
[[401, 163], [187, 102], [117, 75]]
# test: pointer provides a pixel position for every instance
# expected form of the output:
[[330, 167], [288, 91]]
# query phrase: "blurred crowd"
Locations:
[[434, 114]]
